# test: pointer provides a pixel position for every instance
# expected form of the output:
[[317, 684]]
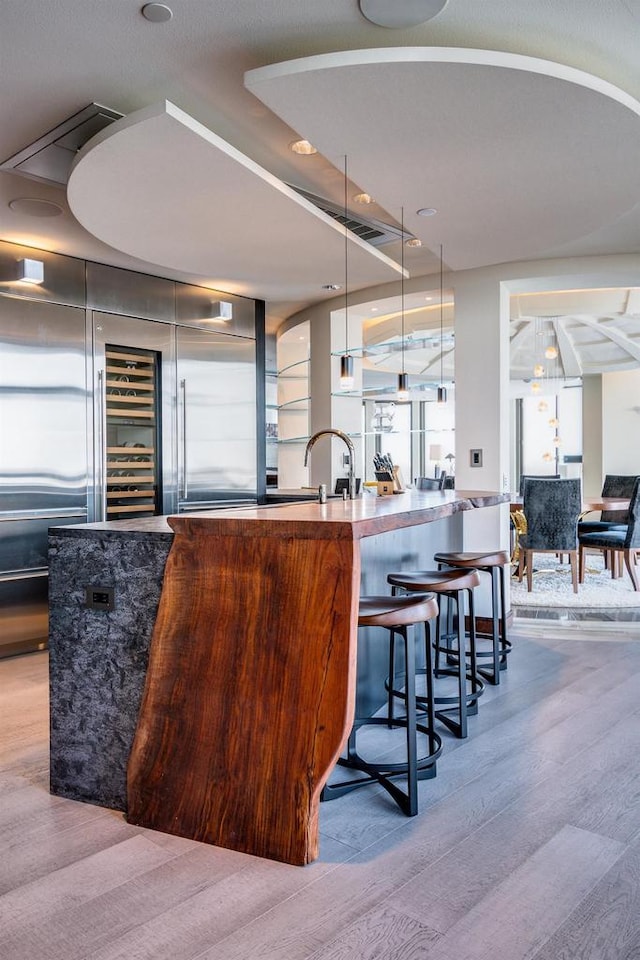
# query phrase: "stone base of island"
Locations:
[[204, 667]]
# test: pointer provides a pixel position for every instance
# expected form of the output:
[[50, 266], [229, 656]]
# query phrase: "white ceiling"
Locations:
[[519, 162]]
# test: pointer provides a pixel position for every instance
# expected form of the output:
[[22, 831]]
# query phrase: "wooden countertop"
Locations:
[[337, 518]]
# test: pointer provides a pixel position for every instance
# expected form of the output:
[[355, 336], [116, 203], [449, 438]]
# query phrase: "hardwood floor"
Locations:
[[527, 846]]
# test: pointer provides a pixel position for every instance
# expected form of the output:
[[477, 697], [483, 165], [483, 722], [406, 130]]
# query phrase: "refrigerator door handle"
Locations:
[[185, 482], [102, 448]]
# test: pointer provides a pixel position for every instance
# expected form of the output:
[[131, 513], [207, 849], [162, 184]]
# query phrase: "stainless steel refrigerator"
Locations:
[[43, 454], [109, 417], [174, 420]]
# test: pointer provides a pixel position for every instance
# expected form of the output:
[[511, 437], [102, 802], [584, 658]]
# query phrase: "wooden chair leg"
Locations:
[[520, 565], [630, 561], [581, 564], [528, 559], [573, 560]]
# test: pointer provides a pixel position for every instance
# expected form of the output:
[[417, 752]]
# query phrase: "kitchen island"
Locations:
[[211, 692]]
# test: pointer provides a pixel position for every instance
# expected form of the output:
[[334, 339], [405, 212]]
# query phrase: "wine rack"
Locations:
[[132, 432]]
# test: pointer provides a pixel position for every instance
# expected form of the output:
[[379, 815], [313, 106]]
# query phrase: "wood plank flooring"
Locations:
[[527, 846]]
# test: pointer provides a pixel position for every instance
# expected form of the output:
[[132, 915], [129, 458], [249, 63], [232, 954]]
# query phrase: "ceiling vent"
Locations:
[[374, 232], [49, 159]]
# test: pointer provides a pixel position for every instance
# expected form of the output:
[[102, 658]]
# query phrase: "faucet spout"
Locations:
[[350, 447]]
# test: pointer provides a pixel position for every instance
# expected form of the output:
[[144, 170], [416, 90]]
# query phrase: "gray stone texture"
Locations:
[[98, 659]]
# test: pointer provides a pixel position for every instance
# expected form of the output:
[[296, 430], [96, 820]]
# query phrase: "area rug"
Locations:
[[552, 586]]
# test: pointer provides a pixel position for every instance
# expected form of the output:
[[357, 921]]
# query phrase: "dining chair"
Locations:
[[428, 483], [536, 476], [615, 485], [620, 541], [551, 508]]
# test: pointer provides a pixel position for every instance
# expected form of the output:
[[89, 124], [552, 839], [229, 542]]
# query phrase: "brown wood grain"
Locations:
[[250, 686]]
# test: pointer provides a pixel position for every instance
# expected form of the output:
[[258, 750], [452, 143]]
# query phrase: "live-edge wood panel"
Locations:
[[249, 691]]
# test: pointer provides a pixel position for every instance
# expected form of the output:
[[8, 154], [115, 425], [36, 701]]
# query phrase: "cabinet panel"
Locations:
[[216, 417]]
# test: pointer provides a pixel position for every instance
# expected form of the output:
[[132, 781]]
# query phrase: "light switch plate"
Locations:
[[475, 458]]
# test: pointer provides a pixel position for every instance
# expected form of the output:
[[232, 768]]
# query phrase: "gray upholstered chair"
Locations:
[[536, 476], [428, 483], [551, 509], [622, 540], [615, 485]]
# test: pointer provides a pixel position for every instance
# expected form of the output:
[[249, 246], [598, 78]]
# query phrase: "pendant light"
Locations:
[[346, 361], [402, 392], [442, 390]]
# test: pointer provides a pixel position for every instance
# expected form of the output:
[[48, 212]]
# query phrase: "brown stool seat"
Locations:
[[395, 614], [492, 562], [452, 583], [388, 611], [498, 558], [436, 581]]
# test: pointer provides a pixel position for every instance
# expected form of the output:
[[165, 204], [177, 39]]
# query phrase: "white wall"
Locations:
[[621, 422]]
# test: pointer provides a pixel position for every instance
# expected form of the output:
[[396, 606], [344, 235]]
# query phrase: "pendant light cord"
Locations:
[[441, 333], [346, 264], [402, 285]]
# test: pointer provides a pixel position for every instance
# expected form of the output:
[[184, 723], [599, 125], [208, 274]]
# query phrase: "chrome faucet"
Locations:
[[352, 455]]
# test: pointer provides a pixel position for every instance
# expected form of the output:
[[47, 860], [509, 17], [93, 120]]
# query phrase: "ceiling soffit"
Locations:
[[474, 134], [163, 188]]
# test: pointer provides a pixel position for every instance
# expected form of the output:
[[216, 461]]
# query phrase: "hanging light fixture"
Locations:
[[442, 390], [402, 392], [346, 361]]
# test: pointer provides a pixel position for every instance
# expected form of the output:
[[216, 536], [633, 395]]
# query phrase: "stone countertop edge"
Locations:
[[361, 517]]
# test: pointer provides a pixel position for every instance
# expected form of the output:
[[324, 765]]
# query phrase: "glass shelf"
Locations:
[[289, 404], [292, 366]]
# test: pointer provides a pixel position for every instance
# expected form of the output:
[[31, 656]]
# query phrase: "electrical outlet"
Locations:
[[99, 598]]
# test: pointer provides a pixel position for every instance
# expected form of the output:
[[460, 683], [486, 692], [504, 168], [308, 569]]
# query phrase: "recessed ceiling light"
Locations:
[[413, 242], [400, 13], [374, 309], [303, 148], [331, 286], [157, 12], [35, 207], [426, 212], [363, 198]]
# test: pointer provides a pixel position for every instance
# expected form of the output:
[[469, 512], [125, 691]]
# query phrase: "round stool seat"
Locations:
[[479, 559], [436, 581], [403, 611]]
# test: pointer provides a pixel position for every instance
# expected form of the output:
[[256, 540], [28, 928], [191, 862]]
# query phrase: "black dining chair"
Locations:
[[551, 508], [623, 541], [615, 485], [428, 483], [536, 476]]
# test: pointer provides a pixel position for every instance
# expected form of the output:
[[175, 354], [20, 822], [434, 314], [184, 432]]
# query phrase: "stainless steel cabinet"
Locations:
[[43, 452], [216, 418]]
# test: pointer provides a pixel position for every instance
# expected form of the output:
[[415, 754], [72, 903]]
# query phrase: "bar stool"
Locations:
[[493, 563], [453, 584], [396, 614]]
